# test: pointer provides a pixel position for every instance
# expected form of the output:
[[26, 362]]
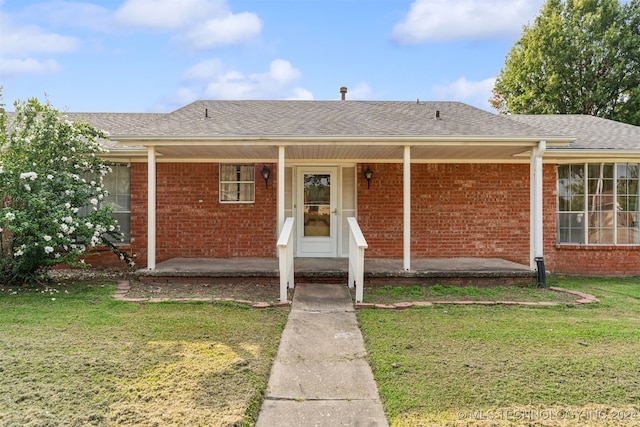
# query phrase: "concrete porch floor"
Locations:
[[456, 271]]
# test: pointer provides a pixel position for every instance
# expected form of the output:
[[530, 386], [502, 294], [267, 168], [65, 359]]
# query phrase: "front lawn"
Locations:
[[504, 365], [70, 355]]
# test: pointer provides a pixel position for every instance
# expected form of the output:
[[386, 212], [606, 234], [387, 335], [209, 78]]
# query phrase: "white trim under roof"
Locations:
[[567, 155], [376, 149], [128, 140]]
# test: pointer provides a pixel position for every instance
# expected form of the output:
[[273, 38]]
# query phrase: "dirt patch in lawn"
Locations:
[[384, 295], [238, 291], [254, 292], [447, 293], [260, 292]]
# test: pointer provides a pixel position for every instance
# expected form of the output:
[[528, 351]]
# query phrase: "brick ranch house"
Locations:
[[217, 179]]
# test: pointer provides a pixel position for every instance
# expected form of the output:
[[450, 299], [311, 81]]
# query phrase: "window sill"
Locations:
[[121, 246], [578, 247]]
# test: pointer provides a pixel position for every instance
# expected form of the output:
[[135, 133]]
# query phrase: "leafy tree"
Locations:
[[50, 192], [578, 57]]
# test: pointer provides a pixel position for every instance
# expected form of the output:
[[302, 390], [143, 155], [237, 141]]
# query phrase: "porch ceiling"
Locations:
[[346, 152]]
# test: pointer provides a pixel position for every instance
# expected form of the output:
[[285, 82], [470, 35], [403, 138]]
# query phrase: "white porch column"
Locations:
[[281, 179], [406, 208], [151, 208], [536, 205]]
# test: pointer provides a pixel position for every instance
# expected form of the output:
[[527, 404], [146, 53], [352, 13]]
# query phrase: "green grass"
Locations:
[[442, 365], [73, 356]]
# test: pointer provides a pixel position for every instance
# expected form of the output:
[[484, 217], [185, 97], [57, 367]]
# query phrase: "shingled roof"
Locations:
[[114, 123], [215, 119], [237, 119], [592, 133]]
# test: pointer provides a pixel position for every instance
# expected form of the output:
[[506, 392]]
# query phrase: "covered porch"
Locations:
[[405, 144], [442, 193], [416, 152], [377, 271]]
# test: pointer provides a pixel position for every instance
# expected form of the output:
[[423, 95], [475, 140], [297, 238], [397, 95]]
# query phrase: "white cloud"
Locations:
[[443, 20], [164, 14], [204, 70], [12, 66], [362, 91], [282, 72], [17, 45], [474, 93], [203, 24], [277, 83], [212, 80], [23, 40], [224, 31], [70, 14]]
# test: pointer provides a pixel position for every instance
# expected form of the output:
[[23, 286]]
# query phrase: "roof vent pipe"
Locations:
[[343, 93], [437, 114], [206, 113]]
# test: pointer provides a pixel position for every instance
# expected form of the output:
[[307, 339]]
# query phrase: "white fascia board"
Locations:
[[611, 155], [354, 140], [124, 153], [350, 162]]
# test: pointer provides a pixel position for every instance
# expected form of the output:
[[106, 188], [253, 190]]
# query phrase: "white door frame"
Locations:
[[317, 246]]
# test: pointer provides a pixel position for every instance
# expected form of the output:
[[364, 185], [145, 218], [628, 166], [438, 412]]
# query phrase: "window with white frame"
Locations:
[[118, 185], [598, 204], [237, 183]]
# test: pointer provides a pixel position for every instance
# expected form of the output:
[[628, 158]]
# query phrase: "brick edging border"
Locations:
[[124, 287]]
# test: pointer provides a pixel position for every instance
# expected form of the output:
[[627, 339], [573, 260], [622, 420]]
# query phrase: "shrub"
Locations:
[[50, 192]]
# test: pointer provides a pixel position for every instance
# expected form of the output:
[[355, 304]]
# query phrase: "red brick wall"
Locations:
[[102, 257], [380, 210], [596, 260], [192, 223], [457, 210], [138, 177]]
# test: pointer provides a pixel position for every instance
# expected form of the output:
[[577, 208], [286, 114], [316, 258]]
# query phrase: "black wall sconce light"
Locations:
[[266, 172], [368, 174]]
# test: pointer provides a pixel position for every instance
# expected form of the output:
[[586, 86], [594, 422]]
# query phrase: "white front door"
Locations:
[[316, 209]]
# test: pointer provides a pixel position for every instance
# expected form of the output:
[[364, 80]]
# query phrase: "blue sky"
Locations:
[[158, 55]]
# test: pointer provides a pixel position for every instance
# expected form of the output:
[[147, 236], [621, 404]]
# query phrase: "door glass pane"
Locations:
[[317, 205]]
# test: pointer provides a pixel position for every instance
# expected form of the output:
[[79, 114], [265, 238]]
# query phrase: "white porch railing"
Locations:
[[357, 245], [285, 254]]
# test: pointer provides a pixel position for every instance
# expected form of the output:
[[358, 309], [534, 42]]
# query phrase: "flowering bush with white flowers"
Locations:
[[50, 192]]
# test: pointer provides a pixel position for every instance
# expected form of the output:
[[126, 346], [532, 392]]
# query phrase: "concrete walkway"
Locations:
[[320, 376]]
